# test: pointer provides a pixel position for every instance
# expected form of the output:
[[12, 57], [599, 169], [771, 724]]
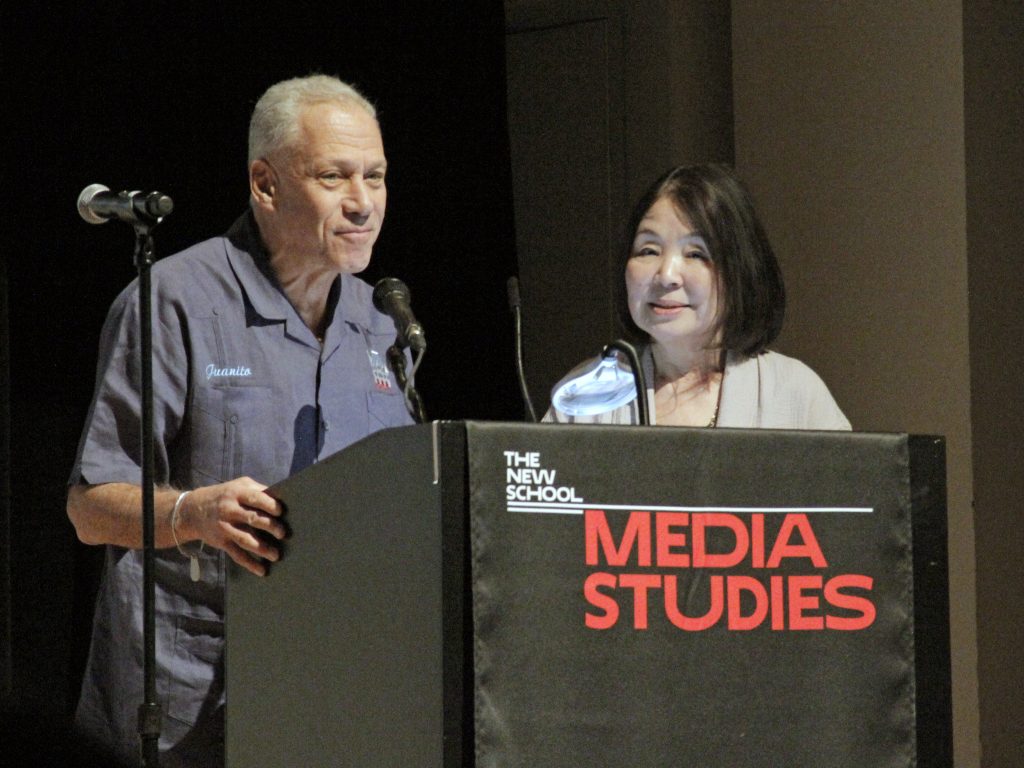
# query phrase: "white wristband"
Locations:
[[193, 556]]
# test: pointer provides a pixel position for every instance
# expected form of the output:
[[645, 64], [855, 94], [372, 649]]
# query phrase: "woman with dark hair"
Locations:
[[703, 296]]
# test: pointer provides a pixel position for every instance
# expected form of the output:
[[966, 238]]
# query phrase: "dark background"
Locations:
[[158, 96]]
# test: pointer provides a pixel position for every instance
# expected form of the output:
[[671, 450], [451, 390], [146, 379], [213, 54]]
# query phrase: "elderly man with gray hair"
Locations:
[[267, 356]]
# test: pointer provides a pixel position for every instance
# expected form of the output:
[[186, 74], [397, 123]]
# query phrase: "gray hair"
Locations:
[[275, 118]]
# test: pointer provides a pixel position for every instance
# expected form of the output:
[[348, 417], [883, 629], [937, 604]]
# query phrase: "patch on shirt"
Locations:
[[381, 374], [213, 372]]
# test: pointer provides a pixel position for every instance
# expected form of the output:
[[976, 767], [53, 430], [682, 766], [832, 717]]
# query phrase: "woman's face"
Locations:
[[671, 280]]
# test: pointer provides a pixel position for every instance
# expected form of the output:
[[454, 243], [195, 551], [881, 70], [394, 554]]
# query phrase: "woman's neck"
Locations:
[[674, 364], [687, 386]]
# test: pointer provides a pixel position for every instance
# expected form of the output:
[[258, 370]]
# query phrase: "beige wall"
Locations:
[[849, 124], [884, 144]]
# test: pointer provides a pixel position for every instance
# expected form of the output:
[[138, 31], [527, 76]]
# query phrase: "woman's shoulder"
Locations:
[[784, 368], [787, 388]]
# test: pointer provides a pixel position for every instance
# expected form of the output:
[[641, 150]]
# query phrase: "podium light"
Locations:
[[595, 387]]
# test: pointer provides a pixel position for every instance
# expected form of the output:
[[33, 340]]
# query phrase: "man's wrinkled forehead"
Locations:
[[346, 120]]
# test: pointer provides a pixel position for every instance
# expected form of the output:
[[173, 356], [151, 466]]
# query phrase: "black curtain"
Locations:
[[158, 96]]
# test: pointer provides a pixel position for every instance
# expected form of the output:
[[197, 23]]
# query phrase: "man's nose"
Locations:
[[358, 200]]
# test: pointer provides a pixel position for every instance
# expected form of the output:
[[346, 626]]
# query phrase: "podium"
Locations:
[[488, 594]]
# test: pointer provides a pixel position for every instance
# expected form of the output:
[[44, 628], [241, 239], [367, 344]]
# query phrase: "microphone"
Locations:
[[515, 302], [98, 205], [391, 296]]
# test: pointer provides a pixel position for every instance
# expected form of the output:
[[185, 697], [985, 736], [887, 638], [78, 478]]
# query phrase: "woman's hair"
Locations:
[[751, 294], [275, 118]]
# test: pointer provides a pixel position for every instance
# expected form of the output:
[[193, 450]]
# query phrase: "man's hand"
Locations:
[[236, 516]]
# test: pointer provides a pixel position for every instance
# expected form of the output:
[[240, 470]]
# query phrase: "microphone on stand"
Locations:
[[143, 211], [98, 205], [391, 296], [515, 305]]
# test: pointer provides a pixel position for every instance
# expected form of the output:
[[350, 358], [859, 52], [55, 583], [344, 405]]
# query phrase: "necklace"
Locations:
[[718, 399], [714, 416], [662, 382]]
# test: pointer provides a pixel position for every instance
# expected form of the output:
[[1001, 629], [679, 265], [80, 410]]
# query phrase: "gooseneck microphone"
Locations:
[[391, 296], [98, 205], [515, 306]]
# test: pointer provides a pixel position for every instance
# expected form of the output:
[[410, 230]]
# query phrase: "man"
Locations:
[[268, 355]]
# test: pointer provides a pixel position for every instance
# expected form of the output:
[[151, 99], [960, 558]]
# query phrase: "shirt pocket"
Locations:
[[193, 671], [386, 409], [235, 430]]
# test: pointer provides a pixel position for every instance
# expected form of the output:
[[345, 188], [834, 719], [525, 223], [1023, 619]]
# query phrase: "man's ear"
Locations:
[[261, 183]]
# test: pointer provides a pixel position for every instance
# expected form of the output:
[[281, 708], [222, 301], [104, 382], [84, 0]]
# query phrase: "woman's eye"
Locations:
[[646, 250]]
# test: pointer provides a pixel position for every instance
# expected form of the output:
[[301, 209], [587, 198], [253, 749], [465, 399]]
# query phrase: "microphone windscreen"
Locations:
[[84, 201], [388, 286]]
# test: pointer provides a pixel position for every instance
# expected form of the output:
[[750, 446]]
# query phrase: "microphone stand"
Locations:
[[515, 305], [396, 361], [149, 711]]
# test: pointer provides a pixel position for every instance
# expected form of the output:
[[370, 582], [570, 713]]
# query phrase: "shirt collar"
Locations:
[[250, 262]]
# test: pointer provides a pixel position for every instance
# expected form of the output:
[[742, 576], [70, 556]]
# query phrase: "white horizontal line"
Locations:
[[534, 510], [561, 508]]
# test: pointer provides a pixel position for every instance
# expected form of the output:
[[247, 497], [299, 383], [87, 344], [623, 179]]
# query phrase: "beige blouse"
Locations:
[[769, 391]]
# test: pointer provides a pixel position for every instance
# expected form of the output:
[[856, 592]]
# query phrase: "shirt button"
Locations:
[[234, 418], [327, 426]]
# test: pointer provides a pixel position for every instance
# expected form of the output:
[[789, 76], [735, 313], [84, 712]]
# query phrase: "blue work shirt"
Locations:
[[241, 387]]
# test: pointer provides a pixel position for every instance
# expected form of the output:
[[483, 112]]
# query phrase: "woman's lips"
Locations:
[[667, 308]]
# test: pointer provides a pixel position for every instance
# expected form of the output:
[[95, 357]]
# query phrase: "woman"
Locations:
[[703, 293]]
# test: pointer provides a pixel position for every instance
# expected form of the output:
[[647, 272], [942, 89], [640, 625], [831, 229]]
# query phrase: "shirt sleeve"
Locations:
[[110, 448]]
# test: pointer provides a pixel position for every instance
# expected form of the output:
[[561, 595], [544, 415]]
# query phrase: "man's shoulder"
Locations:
[[204, 274], [190, 272], [210, 255], [356, 306]]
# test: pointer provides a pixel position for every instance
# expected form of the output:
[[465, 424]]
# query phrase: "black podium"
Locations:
[[486, 594]]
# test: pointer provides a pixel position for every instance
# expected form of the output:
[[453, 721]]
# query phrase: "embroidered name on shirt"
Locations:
[[213, 372]]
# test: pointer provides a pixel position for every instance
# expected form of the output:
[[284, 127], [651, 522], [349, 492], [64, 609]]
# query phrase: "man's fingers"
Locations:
[[250, 518], [255, 545], [245, 560], [260, 510], [261, 501]]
